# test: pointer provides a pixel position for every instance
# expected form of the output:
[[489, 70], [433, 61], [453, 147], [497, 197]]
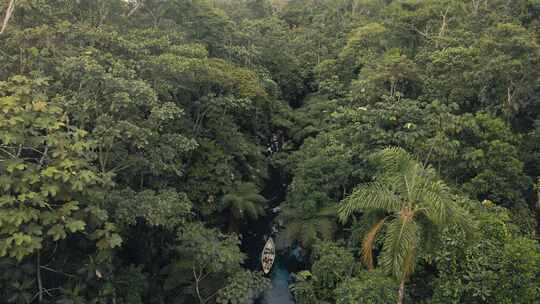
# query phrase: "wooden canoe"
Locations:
[[268, 256]]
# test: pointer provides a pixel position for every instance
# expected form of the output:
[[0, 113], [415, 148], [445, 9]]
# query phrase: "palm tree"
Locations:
[[244, 202], [413, 204]]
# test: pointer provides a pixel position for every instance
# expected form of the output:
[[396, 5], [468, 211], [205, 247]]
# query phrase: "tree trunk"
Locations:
[[401, 294], [233, 226], [38, 270]]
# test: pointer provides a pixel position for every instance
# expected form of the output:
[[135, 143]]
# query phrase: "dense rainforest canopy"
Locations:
[[142, 140]]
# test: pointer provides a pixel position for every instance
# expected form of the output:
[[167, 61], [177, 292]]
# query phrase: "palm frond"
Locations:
[[418, 201], [399, 248], [395, 159], [434, 199], [408, 264], [367, 244], [370, 196]]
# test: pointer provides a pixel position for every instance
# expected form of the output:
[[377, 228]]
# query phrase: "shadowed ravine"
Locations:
[[254, 236], [278, 293], [252, 243]]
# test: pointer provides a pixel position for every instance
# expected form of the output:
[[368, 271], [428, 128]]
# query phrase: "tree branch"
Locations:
[[197, 286], [57, 271], [211, 296], [8, 153], [40, 285], [9, 12], [42, 159], [138, 4]]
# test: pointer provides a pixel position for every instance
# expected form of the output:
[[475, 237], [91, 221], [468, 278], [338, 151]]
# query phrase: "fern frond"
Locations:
[[244, 201]]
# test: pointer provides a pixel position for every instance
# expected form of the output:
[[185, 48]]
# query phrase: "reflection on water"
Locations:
[[279, 292]]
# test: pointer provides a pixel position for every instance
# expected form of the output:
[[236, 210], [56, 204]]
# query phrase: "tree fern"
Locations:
[[308, 227], [244, 202]]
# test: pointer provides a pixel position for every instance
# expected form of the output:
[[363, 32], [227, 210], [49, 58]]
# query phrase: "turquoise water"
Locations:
[[279, 292]]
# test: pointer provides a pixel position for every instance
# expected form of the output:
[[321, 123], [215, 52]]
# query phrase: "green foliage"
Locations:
[[414, 205], [491, 166], [368, 287], [386, 76], [207, 268], [308, 226], [520, 262], [211, 250], [168, 208], [131, 284], [242, 287], [303, 289], [490, 269], [411, 196], [332, 265], [136, 112], [244, 201], [19, 282], [134, 134], [45, 173]]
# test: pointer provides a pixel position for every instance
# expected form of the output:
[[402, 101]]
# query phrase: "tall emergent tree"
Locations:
[[413, 204]]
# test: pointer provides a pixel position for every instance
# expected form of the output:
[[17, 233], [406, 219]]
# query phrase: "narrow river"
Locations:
[[252, 243], [279, 292], [254, 238]]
